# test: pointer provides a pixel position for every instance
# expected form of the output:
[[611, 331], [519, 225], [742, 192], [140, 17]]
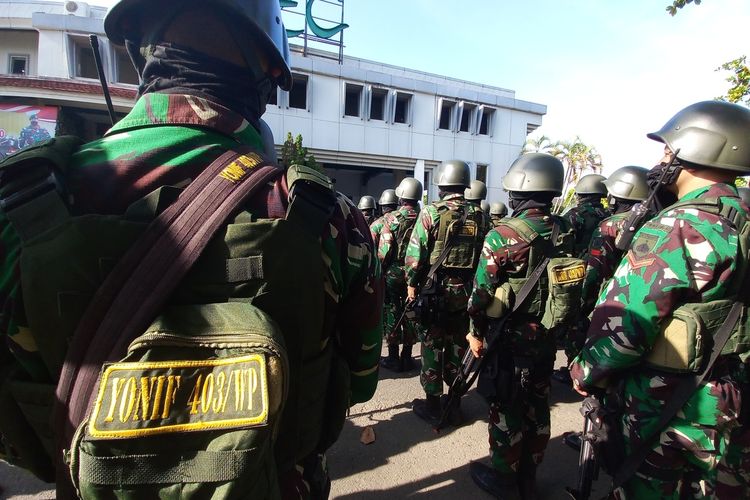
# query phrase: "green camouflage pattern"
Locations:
[[167, 139], [444, 343], [495, 220], [376, 227], [684, 255], [518, 432], [585, 217], [602, 259], [395, 281]]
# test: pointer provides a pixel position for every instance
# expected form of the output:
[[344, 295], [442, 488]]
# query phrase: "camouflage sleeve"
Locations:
[[489, 275], [677, 258], [359, 285], [601, 259], [375, 229], [387, 236], [418, 251]]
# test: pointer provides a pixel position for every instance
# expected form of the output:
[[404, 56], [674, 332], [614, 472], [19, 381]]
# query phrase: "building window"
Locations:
[[82, 60], [353, 100], [482, 173], [467, 117], [377, 104], [18, 64], [298, 94], [446, 115], [124, 69], [485, 125], [403, 108]]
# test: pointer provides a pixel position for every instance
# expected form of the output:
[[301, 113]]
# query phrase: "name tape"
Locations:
[[569, 274], [148, 398], [239, 168]]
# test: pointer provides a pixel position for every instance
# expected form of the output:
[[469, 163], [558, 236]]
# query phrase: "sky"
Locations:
[[609, 71]]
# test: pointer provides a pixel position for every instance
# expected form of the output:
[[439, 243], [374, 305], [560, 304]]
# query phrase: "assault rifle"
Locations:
[[588, 467], [643, 211]]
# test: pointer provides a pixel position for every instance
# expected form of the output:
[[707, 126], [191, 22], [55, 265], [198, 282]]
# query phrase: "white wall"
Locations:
[[18, 42]]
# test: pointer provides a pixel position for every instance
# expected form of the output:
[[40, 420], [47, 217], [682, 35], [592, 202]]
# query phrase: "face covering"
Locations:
[[664, 197], [519, 201], [170, 68]]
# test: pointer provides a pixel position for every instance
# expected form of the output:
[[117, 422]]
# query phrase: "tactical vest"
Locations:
[[227, 333], [686, 335], [555, 298], [466, 246], [406, 224]]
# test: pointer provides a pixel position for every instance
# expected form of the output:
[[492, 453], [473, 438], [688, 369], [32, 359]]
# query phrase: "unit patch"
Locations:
[[240, 167], [569, 274], [469, 229], [143, 399]]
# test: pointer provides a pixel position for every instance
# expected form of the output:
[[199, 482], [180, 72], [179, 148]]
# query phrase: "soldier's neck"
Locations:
[[690, 180]]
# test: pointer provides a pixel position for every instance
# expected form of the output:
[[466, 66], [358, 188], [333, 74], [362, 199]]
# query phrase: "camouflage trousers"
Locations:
[[443, 348], [519, 430], [393, 308], [691, 461]]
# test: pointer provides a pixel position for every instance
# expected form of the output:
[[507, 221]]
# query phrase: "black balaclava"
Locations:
[[664, 197], [171, 68], [620, 205], [519, 201], [590, 199]]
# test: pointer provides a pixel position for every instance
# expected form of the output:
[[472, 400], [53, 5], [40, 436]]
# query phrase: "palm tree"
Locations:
[[577, 157], [541, 144]]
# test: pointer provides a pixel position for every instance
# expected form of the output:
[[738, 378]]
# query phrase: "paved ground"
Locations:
[[408, 460]]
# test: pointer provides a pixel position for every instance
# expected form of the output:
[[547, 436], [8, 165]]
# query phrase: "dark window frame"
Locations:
[[12, 58], [299, 99], [350, 106], [381, 95]]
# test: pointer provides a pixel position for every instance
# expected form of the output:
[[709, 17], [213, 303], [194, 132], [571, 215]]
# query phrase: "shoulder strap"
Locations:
[[521, 227], [136, 289]]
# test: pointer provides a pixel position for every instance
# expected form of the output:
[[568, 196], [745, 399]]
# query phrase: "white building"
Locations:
[[369, 123]]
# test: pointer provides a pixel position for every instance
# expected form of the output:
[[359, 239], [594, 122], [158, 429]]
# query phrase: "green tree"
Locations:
[[678, 4], [577, 157], [739, 92], [293, 153], [741, 182], [541, 144]]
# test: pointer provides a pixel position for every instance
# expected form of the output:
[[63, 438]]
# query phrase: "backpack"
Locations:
[[194, 407], [556, 298], [463, 256]]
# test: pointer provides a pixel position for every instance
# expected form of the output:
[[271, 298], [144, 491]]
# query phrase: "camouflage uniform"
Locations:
[[167, 139], [684, 255], [495, 220], [602, 259], [395, 283], [444, 342], [376, 227], [519, 431], [31, 135], [584, 218]]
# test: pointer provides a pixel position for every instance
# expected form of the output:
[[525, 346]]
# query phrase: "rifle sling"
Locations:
[[141, 282], [682, 395]]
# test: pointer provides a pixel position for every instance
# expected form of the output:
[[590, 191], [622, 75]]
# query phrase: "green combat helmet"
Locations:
[[257, 21], [591, 184], [744, 195], [476, 192], [711, 134], [409, 189], [453, 173], [388, 198], [366, 203], [498, 209], [535, 172], [628, 183]]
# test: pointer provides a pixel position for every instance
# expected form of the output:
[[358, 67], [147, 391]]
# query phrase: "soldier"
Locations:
[[32, 133], [475, 194], [678, 281], [626, 187], [498, 211], [585, 218], [387, 203], [444, 299], [207, 70], [367, 206], [589, 211], [519, 427], [394, 240]]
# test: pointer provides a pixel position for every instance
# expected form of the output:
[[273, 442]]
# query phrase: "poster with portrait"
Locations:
[[22, 125]]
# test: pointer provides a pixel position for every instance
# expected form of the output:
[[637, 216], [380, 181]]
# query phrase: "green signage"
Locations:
[[311, 23]]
